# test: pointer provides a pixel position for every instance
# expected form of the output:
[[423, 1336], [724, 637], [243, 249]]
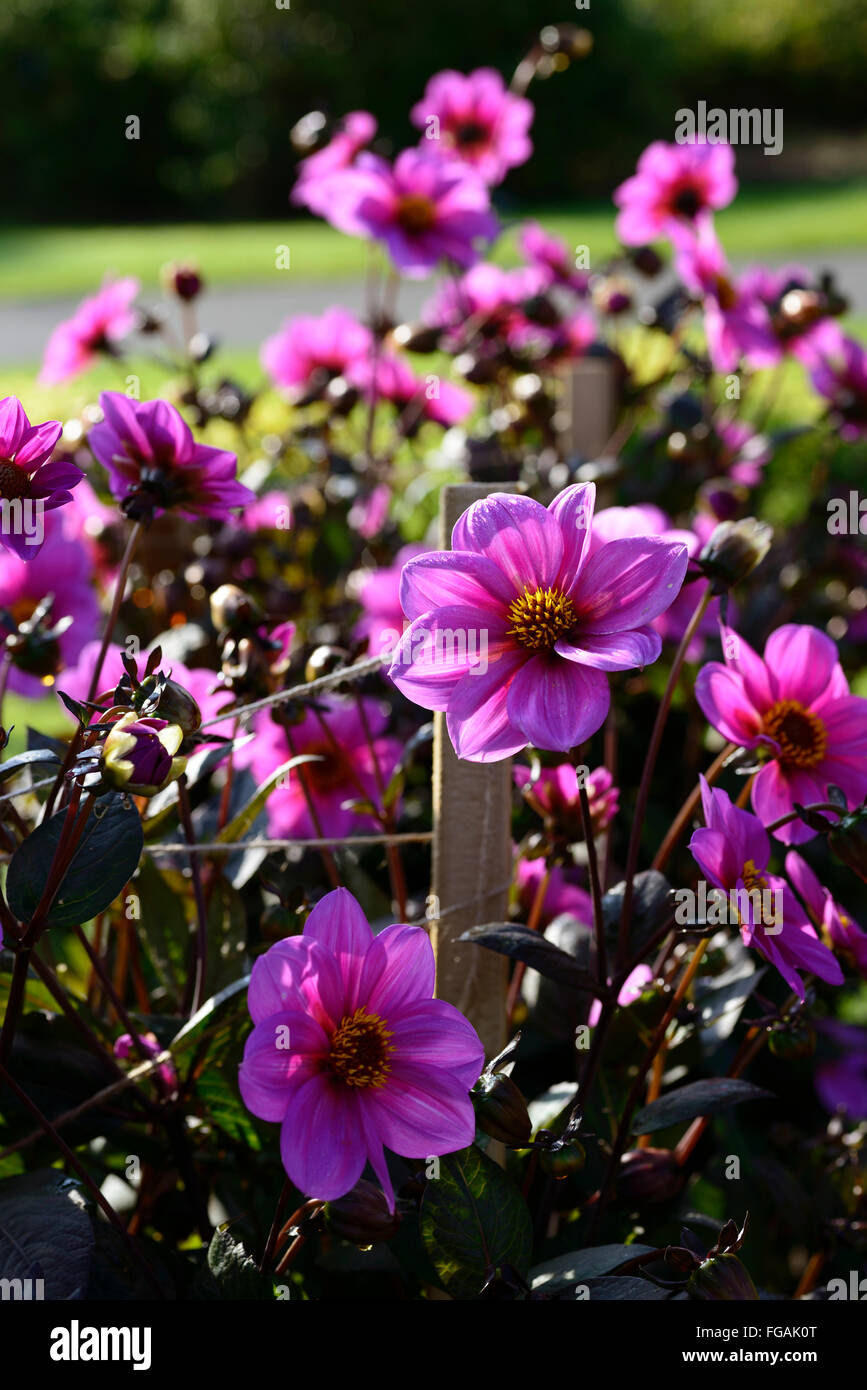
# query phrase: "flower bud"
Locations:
[[501, 1110], [323, 661], [182, 280], [797, 1040], [232, 610], [848, 840], [733, 551], [138, 754], [362, 1216], [649, 1175], [417, 337], [721, 1277], [178, 707], [561, 1161]]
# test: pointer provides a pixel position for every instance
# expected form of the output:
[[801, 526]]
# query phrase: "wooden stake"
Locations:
[[472, 854], [590, 406]]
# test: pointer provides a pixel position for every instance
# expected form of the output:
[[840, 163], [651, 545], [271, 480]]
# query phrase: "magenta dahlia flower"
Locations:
[[30, 484], [798, 314], [842, 378], [351, 1054], [511, 632], [554, 794], [354, 131], [834, 923], [549, 254], [474, 118], [62, 569], [310, 350], [97, 325], [632, 988], [154, 463], [345, 770], [674, 189], [562, 892], [733, 851], [424, 210], [794, 708], [390, 378], [736, 319]]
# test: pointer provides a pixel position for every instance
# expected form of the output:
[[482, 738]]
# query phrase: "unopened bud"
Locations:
[[733, 551], [848, 840], [649, 1175], [182, 280], [178, 707], [722, 1277], [139, 754], [234, 611], [501, 1110], [362, 1216]]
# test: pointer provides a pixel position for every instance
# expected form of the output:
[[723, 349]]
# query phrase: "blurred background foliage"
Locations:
[[217, 85]]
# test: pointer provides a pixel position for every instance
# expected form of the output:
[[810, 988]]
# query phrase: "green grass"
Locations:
[[41, 262]]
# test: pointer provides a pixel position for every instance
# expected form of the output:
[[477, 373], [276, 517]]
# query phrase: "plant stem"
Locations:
[[676, 828], [647, 773], [197, 994], [595, 886]]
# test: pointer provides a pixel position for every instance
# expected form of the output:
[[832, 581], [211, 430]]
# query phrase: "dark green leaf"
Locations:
[[233, 1275], [105, 860], [45, 1233], [473, 1219], [580, 1265], [698, 1098], [519, 942], [35, 755]]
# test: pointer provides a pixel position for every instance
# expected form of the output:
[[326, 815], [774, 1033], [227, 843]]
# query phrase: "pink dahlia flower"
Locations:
[[474, 118], [351, 1054], [674, 189], [378, 592], [562, 893], [512, 631], [633, 987], [842, 378], [423, 209], [736, 320], [390, 378], [550, 254], [97, 326], [732, 852], [309, 350], [842, 1084], [833, 922], [794, 708], [345, 770], [154, 463], [30, 484], [354, 131], [63, 569], [798, 314], [555, 795]]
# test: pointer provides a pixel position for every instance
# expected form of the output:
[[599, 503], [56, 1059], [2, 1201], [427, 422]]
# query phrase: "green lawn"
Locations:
[[47, 261]]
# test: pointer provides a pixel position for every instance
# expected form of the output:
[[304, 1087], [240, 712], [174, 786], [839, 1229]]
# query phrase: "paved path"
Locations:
[[241, 318]]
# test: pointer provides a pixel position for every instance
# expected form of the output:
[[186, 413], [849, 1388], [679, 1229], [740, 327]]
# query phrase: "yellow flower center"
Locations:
[[751, 876], [800, 733], [540, 617], [360, 1050]]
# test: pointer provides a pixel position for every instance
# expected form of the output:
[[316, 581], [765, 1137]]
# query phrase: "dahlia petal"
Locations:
[[399, 969], [36, 444], [803, 660], [53, 477], [774, 793], [573, 511], [296, 974], [322, 1141], [724, 703], [441, 648], [421, 1111], [557, 704], [614, 651], [477, 718], [375, 1152], [339, 925], [628, 583], [806, 885], [713, 853], [759, 682], [845, 721], [448, 578], [13, 426], [433, 1033], [121, 423], [271, 1073], [517, 534]]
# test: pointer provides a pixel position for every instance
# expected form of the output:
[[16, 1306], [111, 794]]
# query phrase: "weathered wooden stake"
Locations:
[[590, 406], [472, 853]]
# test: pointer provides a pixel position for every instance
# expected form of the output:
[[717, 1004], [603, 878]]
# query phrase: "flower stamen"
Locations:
[[360, 1050], [799, 732], [540, 617]]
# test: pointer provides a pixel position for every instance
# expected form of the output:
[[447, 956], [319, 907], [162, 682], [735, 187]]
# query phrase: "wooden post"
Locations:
[[590, 406], [472, 850]]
